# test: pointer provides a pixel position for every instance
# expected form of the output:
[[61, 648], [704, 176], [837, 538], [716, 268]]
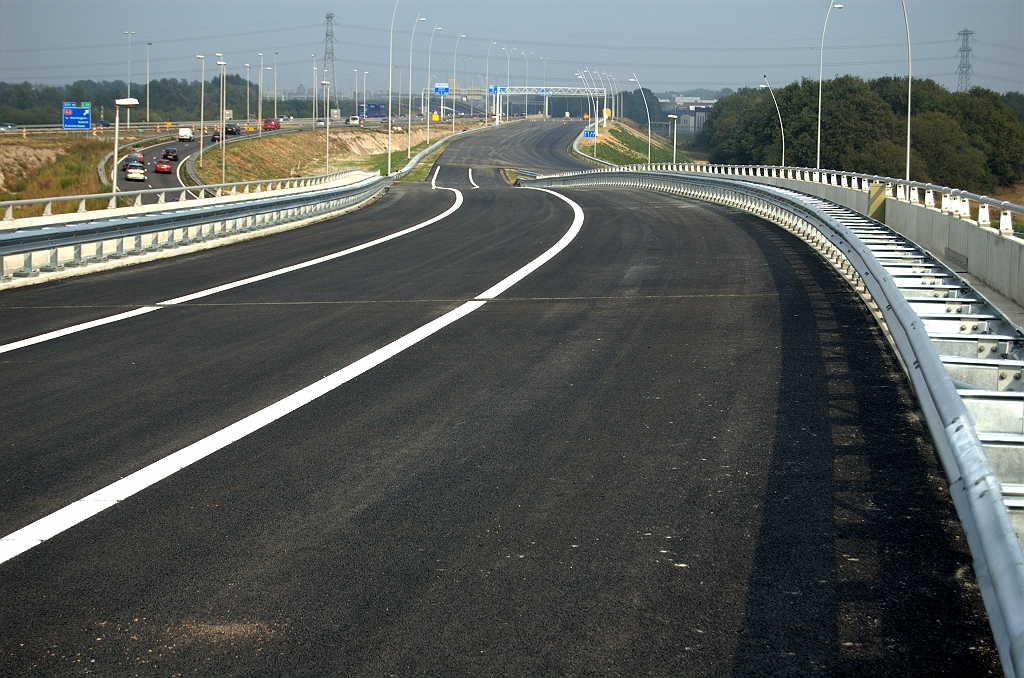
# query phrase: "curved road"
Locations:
[[679, 446]]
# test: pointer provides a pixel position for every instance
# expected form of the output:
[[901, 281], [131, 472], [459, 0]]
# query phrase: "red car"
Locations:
[[271, 123], [163, 166]]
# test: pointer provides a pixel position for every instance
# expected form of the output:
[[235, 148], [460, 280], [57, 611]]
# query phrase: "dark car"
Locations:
[[103, 123], [232, 128], [215, 136], [163, 166], [132, 158], [170, 154]]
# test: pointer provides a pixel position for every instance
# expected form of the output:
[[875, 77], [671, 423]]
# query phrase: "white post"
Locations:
[[910, 81], [430, 48], [148, 45], [408, 144], [391, 66], [259, 104], [202, 105], [455, 65], [128, 112]]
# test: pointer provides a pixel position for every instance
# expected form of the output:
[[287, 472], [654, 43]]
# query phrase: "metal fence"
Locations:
[[894, 276]]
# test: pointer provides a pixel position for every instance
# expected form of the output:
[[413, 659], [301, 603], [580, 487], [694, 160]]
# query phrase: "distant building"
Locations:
[[692, 112]]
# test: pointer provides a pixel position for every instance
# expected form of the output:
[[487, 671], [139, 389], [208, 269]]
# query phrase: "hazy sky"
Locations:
[[670, 44]]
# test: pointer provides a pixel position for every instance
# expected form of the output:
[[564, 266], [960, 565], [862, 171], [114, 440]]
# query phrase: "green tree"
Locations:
[[951, 158]]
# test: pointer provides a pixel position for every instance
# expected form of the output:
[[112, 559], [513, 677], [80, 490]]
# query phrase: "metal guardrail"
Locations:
[[906, 276], [185, 223], [952, 200]]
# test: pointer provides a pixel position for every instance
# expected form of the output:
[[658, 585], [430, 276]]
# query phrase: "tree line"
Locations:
[[971, 140], [169, 100]]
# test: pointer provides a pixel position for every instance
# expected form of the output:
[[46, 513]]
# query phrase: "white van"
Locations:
[[353, 120], [185, 135]]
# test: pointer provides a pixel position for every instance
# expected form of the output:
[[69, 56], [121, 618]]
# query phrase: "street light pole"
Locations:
[[408, 145], [259, 104], [675, 134], [429, 90], [314, 93], [391, 66], [648, 108], [248, 118], [202, 106], [148, 45], [365, 73], [356, 71], [487, 78], [327, 98], [275, 85], [910, 81], [526, 84], [455, 65], [128, 103], [821, 61], [223, 152], [781, 128], [508, 75], [128, 112]]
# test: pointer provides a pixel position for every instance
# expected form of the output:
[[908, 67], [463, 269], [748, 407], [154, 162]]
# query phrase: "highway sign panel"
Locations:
[[441, 88], [77, 117], [589, 134]]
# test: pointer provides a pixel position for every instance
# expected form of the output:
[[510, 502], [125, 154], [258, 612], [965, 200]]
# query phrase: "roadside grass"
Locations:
[[623, 145], [70, 171]]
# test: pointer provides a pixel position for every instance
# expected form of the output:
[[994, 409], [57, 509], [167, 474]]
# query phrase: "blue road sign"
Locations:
[[77, 117], [589, 134], [545, 92], [496, 89], [441, 88]]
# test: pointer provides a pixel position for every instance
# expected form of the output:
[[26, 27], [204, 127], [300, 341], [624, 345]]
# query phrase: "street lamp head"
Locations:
[[838, 6], [247, 65], [222, 63], [200, 56], [220, 54], [672, 116], [423, 18], [259, 53], [325, 82], [130, 102]]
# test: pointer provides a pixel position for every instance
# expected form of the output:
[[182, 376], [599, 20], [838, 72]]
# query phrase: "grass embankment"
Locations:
[[625, 144], [47, 168], [303, 154]]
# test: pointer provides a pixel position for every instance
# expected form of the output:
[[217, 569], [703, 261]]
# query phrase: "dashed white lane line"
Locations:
[[4, 348], [67, 517], [471, 178]]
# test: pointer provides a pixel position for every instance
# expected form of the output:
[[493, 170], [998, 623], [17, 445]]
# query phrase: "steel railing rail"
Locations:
[[952, 200], [181, 223], [974, 485]]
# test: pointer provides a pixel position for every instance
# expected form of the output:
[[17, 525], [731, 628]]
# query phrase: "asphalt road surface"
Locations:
[[679, 446]]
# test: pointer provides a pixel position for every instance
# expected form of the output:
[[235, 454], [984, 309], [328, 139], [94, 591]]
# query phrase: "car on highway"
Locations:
[[320, 123], [163, 167], [215, 136], [132, 158], [271, 123], [352, 120], [170, 154], [103, 123], [135, 174], [185, 135], [232, 128]]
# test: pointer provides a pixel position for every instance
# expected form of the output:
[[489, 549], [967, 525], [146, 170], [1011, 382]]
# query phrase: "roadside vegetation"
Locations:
[[969, 140], [46, 168], [301, 154], [624, 142]]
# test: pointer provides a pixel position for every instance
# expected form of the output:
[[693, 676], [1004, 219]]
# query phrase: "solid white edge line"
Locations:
[[577, 224], [471, 178], [53, 524], [433, 180], [67, 517], [319, 260], [38, 339], [238, 283]]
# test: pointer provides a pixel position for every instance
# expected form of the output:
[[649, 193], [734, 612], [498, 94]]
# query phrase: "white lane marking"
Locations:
[[15, 345], [320, 260], [471, 178], [4, 348], [433, 181], [577, 224], [67, 517]]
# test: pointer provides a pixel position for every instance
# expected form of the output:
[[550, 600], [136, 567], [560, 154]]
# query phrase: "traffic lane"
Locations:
[[88, 409], [37, 309], [151, 154], [539, 146], [578, 482]]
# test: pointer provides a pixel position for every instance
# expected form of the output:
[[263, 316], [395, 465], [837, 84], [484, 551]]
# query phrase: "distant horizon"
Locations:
[[668, 45]]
